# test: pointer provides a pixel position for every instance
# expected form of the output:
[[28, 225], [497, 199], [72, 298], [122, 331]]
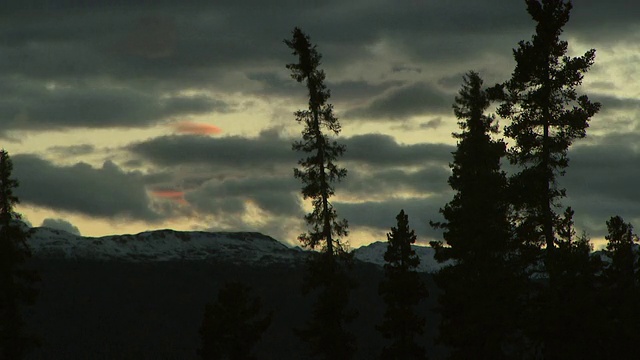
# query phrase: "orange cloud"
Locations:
[[190, 127], [177, 196]]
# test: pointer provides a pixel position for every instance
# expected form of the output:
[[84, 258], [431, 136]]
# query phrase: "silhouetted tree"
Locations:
[[402, 290], [328, 269], [621, 272], [546, 115], [566, 319], [482, 289], [319, 171], [233, 324], [622, 290], [16, 282]]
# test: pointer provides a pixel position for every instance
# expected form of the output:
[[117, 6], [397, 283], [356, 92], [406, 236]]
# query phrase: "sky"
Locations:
[[126, 116]]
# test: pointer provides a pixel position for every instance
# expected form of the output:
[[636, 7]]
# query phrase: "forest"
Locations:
[[522, 283]]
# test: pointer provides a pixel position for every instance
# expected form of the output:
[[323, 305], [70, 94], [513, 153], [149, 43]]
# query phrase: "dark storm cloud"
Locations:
[[98, 192], [405, 102]]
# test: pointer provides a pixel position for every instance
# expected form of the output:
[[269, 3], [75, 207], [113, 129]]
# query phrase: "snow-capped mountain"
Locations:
[[374, 253], [162, 245], [166, 245]]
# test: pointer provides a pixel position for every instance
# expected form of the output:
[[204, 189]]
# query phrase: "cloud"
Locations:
[[601, 181], [106, 192], [265, 152], [379, 149], [173, 195], [405, 102], [34, 107], [228, 197], [61, 224], [380, 215], [72, 150], [272, 153], [189, 127]]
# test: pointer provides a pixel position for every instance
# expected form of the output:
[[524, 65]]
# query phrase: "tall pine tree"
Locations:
[[479, 303], [16, 282], [402, 290], [328, 269], [547, 115]]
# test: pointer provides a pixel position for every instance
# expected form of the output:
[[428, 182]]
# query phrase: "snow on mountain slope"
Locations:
[[374, 253], [162, 245]]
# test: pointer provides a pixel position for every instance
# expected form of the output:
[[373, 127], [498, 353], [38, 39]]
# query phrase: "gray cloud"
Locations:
[[263, 153], [388, 182], [270, 152], [404, 102], [28, 107], [61, 224], [119, 59], [601, 181], [107, 192], [72, 150], [380, 215], [378, 149], [278, 196]]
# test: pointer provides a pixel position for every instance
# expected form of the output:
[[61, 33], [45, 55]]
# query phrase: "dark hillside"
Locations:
[[152, 310]]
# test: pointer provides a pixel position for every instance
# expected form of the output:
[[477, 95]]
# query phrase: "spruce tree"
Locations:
[[566, 319], [16, 281], [328, 269], [620, 248], [402, 290], [622, 289], [546, 115], [481, 290], [233, 324]]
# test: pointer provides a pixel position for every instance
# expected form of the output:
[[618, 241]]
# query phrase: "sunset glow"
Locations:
[[194, 128]]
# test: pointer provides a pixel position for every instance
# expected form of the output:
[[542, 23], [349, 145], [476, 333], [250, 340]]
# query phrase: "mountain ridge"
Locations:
[[167, 244]]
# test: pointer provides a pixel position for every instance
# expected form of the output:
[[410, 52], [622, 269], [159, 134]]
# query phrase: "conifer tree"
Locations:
[[622, 288], [547, 115], [565, 318], [16, 282], [233, 324], [318, 170], [402, 290], [328, 269], [481, 289], [620, 249]]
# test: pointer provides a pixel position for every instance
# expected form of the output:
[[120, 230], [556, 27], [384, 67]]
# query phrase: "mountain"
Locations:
[[143, 296], [169, 245], [162, 245], [374, 253]]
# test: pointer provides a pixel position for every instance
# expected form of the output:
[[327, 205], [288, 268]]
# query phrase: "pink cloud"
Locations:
[[190, 127], [177, 196]]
